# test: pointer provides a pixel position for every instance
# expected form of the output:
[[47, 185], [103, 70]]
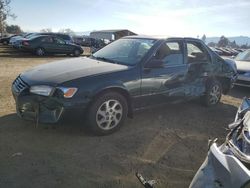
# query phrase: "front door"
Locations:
[[60, 46], [166, 83]]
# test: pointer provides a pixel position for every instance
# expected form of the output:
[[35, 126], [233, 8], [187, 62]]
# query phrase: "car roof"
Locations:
[[161, 37]]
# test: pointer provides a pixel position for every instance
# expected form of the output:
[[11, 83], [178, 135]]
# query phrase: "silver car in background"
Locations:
[[242, 61]]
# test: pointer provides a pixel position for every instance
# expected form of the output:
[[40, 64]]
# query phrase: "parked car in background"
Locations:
[[225, 52], [128, 74], [93, 42], [232, 51], [17, 37], [219, 52], [78, 40], [17, 42], [243, 66], [6, 40], [49, 44], [66, 37]]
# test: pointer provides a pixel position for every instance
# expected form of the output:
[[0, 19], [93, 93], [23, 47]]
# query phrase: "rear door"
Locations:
[[160, 85], [200, 67], [48, 44], [60, 46]]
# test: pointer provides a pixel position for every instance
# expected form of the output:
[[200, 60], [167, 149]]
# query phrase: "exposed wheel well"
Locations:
[[121, 91], [225, 83]]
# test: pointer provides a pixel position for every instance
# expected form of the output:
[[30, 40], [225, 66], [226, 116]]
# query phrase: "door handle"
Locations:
[[205, 74]]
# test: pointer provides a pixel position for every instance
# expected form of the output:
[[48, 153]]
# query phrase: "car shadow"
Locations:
[[172, 116], [69, 125]]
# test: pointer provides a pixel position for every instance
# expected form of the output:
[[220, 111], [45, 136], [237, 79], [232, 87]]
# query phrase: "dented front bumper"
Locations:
[[44, 109]]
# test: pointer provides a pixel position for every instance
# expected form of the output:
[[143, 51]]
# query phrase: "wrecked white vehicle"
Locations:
[[228, 165]]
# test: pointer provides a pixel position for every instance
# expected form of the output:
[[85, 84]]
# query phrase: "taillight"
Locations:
[[25, 43]]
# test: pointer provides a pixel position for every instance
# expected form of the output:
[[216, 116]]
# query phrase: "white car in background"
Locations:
[[13, 40], [242, 61]]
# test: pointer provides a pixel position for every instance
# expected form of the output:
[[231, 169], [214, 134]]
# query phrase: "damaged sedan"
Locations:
[[131, 73]]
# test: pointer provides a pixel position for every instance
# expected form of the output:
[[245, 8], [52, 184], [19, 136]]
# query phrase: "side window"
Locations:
[[143, 49], [64, 37], [170, 53], [59, 41], [196, 53], [47, 40]]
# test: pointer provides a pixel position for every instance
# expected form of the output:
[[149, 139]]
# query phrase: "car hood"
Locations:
[[243, 65], [69, 69]]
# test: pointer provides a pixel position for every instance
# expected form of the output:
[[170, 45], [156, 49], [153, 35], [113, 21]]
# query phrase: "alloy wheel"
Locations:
[[109, 114], [214, 95]]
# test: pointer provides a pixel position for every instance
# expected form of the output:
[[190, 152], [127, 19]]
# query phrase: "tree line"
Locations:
[[225, 42]]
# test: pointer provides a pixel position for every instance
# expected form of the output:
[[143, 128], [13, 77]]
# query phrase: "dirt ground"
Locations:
[[167, 144]]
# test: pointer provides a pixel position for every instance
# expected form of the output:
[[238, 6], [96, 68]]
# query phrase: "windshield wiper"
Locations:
[[105, 59]]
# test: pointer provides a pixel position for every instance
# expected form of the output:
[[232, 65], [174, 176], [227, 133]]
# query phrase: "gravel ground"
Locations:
[[167, 144]]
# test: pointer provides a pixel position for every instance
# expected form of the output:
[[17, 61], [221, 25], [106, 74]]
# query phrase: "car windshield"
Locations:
[[243, 56], [125, 51]]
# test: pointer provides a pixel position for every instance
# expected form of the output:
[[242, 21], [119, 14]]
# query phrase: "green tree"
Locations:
[[67, 31], [223, 42], [5, 12], [46, 30], [233, 44], [203, 38], [13, 29]]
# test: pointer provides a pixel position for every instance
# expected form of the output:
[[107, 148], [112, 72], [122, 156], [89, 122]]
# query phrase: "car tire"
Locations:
[[5, 42], [40, 51], [213, 93], [76, 53], [107, 113]]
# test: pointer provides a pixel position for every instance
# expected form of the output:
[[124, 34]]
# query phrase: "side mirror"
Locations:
[[154, 63]]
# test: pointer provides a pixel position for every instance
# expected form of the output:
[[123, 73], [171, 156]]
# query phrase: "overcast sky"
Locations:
[[153, 17]]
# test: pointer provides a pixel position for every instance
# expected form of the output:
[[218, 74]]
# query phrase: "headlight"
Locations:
[[68, 92], [42, 90]]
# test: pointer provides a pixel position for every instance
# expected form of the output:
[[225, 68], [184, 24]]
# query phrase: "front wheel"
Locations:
[[213, 93], [107, 113]]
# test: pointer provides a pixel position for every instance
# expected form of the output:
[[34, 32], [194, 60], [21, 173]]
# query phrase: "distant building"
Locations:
[[111, 34]]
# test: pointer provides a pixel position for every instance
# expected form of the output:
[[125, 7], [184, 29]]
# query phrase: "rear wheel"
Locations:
[[107, 113], [76, 52], [213, 93], [5, 42], [40, 52]]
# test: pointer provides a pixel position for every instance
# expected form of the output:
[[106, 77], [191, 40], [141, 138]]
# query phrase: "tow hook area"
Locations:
[[39, 109]]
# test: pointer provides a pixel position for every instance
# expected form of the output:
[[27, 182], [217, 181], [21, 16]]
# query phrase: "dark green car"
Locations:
[[47, 44], [128, 74]]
